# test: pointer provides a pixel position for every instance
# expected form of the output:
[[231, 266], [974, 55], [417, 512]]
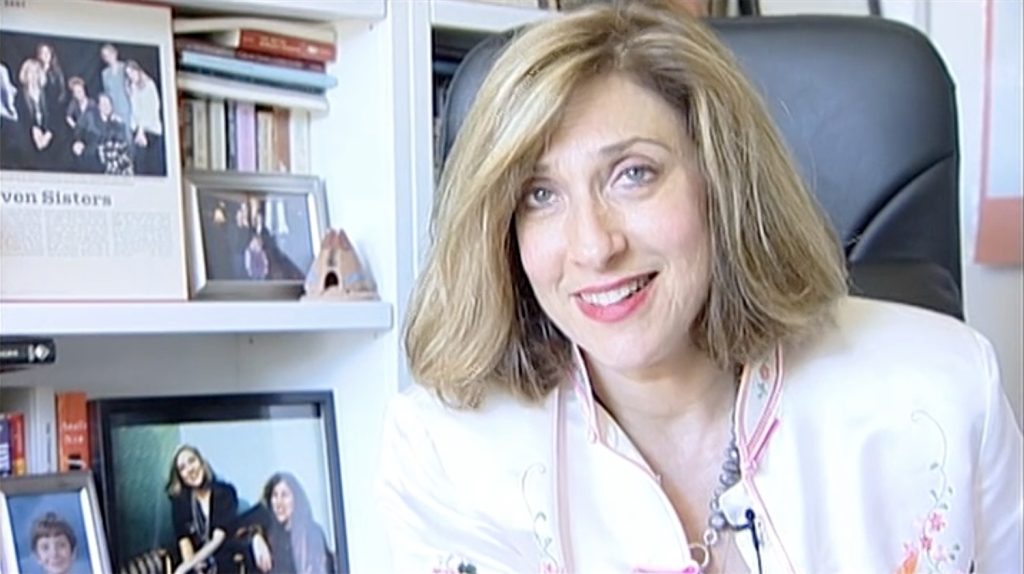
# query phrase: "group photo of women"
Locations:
[[80, 106]]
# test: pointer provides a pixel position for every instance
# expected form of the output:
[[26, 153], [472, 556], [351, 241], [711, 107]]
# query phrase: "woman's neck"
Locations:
[[691, 390]]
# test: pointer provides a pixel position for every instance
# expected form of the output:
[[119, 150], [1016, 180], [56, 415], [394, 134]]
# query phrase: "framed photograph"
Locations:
[[253, 479], [91, 205], [50, 524], [252, 235]]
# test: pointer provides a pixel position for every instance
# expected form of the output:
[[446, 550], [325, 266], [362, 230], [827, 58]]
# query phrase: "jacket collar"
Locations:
[[757, 403]]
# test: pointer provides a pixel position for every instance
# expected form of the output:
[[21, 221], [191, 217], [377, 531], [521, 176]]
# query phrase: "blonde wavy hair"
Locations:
[[777, 268]]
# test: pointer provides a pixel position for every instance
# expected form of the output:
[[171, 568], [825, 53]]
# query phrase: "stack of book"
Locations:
[[247, 88]]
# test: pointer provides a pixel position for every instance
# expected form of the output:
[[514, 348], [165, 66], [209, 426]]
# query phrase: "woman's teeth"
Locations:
[[613, 296]]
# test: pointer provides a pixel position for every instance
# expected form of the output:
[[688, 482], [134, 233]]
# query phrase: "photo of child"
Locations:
[[49, 533]]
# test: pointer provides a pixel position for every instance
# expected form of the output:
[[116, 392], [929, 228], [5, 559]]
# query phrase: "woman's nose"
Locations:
[[595, 236]]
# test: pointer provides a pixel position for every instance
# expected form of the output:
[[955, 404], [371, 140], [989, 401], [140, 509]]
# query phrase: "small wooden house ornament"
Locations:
[[336, 273]]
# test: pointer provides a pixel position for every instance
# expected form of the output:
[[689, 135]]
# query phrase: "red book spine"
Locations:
[[72, 432], [286, 46], [19, 463], [182, 44]]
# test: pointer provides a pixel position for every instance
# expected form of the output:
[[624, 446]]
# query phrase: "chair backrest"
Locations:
[[868, 111]]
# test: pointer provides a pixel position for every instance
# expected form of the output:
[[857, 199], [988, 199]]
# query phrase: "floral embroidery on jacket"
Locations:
[[925, 552], [541, 522]]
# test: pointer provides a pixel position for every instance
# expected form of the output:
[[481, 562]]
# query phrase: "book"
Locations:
[[265, 140], [299, 130], [306, 31], [208, 85], [16, 433], [185, 132], [200, 133], [217, 116], [245, 136], [282, 143], [37, 403], [230, 130], [192, 44], [255, 71], [72, 432], [24, 351], [6, 469], [274, 44]]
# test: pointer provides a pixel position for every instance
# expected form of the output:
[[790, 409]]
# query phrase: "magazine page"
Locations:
[[89, 171]]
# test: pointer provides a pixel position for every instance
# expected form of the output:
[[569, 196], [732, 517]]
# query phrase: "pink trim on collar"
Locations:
[[766, 375], [585, 392]]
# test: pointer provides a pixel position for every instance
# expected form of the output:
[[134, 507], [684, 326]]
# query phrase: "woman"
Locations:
[[53, 75], [36, 120], [146, 127], [82, 119], [112, 147], [203, 510], [636, 352], [55, 92], [296, 543]]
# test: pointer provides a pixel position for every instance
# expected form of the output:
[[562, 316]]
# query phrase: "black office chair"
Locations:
[[868, 110]]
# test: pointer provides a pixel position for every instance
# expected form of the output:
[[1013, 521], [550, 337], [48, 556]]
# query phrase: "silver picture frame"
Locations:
[[48, 508], [252, 235]]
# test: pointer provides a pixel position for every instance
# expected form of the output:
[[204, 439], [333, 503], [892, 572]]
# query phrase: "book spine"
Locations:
[[282, 149], [42, 456], [299, 142], [245, 124], [215, 86], [255, 71], [194, 45], [27, 351], [72, 432], [5, 446], [285, 46], [200, 134], [185, 132], [231, 131], [218, 139], [265, 140], [16, 432]]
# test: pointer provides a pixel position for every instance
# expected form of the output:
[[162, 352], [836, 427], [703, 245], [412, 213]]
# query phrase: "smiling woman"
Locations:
[[624, 255], [203, 509]]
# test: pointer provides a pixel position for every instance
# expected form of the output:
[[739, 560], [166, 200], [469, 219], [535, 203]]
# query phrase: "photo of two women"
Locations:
[[204, 507]]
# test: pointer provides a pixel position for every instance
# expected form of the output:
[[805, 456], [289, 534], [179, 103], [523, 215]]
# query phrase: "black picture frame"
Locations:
[[247, 440], [61, 508]]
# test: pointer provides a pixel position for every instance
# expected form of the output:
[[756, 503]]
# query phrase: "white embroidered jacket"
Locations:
[[886, 446]]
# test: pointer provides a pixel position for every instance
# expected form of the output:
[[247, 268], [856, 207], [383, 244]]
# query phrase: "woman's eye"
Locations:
[[538, 197], [636, 174]]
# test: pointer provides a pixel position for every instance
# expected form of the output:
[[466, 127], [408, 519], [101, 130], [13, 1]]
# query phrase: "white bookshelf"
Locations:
[[185, 318], [481, 16], [373, 147]]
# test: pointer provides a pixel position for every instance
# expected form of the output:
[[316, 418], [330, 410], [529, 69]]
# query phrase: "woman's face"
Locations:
[[190, 468], [105, 105], [54, 554], [133, 74], [282, 502], [612, 232], [45, 54]]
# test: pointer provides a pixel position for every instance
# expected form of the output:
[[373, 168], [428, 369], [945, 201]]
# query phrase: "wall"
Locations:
[[993, 296]]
